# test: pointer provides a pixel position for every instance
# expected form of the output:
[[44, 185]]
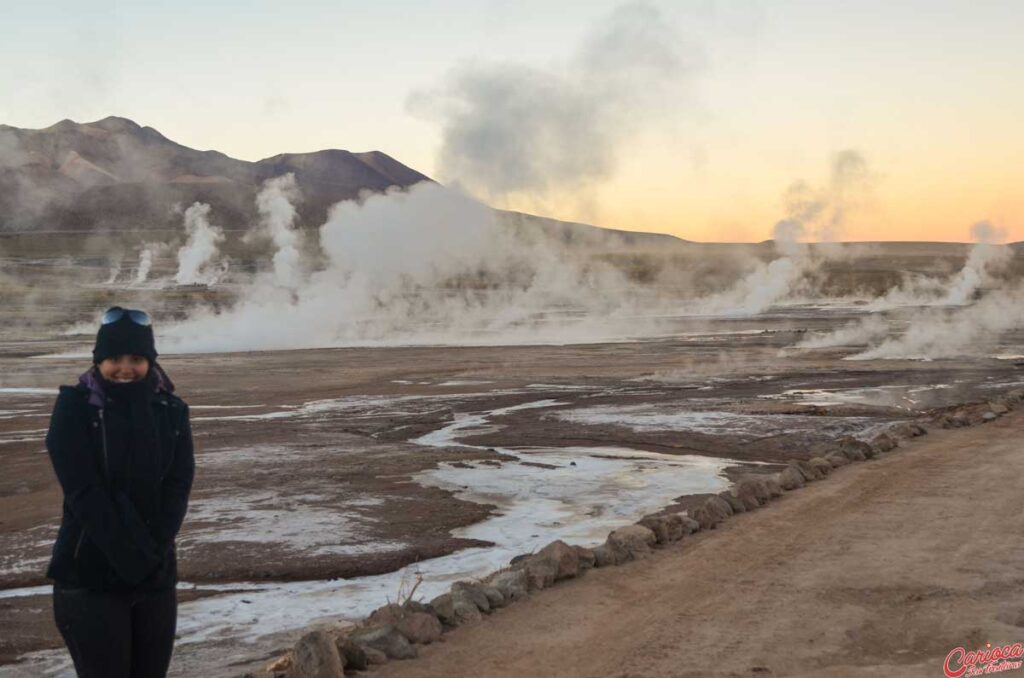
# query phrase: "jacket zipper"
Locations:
[[78, 546], [106, 474], [103, 435]]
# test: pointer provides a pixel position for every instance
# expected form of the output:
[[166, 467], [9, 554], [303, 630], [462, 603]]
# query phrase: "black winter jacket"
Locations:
[[126, 487]]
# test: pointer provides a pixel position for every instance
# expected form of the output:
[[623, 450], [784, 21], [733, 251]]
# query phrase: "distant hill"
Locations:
[[114, 174], [585, 236]]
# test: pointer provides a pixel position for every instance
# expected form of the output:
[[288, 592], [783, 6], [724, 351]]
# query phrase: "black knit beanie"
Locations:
[[124, 337]]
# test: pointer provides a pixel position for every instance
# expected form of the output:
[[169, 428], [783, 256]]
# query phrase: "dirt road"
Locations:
[[880, 570]]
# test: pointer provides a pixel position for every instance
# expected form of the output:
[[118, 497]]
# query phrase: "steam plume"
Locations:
[[941, 333], [984, 263], [516, 129], [278, 214], [818, 213], [428, 265], [860, 332], [985, 259], [935, 330], [196, 259], [115, 270], [145, 264]]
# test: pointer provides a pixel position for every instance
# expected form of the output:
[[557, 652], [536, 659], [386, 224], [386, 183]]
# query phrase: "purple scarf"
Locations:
[[91, 380]]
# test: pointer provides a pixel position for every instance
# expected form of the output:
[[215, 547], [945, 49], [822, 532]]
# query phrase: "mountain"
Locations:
[[114, 174]]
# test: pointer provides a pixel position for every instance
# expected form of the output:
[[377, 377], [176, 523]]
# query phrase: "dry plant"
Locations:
[[407, 585]]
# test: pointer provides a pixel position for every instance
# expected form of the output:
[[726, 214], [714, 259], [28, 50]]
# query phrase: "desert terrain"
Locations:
[[883, 569], [330, 481]]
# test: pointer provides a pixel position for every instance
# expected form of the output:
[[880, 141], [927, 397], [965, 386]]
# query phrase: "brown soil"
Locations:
[[880, 570], [359, 463]]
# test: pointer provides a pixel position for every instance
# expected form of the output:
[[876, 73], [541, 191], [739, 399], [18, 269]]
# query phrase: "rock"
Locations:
[[884, 442], [636, 540], [774, 489], [854, 454], [472, 592], [998, 407], [494, 596], [375, 657], [1016, 395], [791, 479], [734, 502], [353, 654], [389, 614], [836, 459], [512, 584], [905, 430], [283, 663], [705, 517], [316, 656], [752, 493], [417, 606], [747, 497], [949, 421], [989, 416], [656, 524], [961, 417], [455, 610], [821, 465], [606, 555], [689, 524], [563, 557], [806, 471], [421, 628], [675, 526], [719, 506], [752, 486], [855, 450], [586, 558], [383, 638], [540, 572]]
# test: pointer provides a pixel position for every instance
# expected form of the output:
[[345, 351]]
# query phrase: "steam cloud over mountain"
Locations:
[[517, 129]]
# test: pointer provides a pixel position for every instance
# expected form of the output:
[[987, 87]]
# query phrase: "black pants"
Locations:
[[117, 635]]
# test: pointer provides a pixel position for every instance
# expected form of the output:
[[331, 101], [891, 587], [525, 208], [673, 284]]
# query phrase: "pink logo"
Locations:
[[960, 663]]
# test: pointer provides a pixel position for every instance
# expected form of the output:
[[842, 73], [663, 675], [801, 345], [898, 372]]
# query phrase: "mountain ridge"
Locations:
[[115, 174]]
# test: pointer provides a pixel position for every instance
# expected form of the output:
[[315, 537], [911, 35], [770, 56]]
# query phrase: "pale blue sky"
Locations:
[[916, 86]]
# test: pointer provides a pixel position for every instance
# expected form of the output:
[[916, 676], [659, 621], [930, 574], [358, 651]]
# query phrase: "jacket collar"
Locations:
[[94, 386]]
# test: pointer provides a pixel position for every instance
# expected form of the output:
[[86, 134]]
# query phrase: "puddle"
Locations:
[[303, 524], [901, 396], [648, 418]]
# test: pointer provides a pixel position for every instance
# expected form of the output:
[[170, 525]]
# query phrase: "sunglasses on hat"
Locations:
[[136, 316]]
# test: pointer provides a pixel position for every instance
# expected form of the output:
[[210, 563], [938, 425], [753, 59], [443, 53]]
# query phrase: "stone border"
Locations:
[[394, 631]]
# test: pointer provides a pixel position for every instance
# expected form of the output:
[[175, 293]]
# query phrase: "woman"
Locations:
[[121, 445]]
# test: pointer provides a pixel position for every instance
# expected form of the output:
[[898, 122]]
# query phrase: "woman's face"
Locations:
[[123, 369]]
